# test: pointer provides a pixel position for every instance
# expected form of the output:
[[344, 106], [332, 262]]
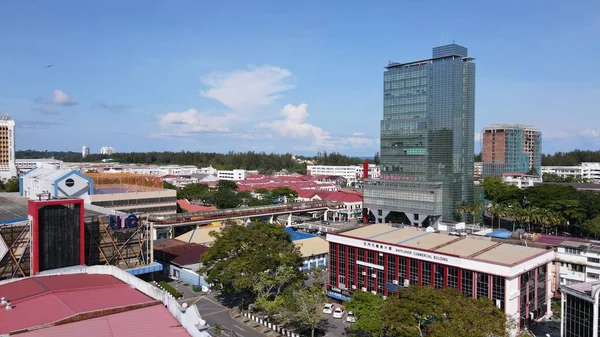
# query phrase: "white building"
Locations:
[[232, 175], [52, 181], [589, 171], [578, 262], [521, 180], [580, 308], [381, 259], [352, 172], [85, 151], [8, 169], [107, 150], [24, 165], [208, 170]]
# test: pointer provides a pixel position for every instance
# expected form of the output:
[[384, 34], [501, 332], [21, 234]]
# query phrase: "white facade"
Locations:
[[24, 165], [55, 182], [107, 150], [208, 170], [578, 262], [522, 181], [589, 171], [232, 175], [8, 169], [352, 172], [85, 151]]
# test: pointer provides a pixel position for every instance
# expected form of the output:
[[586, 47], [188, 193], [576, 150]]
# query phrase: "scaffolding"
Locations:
[[124, 248], [16, 261], [125, 182]]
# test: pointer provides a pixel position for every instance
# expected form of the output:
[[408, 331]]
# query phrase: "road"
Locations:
[[215, 313]]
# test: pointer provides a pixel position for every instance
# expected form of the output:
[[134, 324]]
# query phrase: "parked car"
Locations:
[[328, 308], [350, 318], [338, 313]]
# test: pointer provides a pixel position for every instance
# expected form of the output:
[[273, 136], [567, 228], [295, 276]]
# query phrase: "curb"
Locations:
[[231, 313]]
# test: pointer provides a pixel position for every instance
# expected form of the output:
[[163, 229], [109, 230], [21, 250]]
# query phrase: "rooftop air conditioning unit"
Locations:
[[395, 281]]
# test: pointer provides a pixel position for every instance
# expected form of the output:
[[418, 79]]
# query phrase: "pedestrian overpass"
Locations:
[[245, 213]]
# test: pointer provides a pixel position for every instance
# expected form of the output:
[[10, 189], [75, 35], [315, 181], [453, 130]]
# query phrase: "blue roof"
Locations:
[[500, 234], [147, 269], [298, 235], [6, 222]]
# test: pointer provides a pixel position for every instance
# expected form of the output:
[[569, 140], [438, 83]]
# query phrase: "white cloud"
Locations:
[[247, 89], [294, 125], [358, 134], [590, 133], [191, 121], [113, 107], [61, 98], [358, 140], [46, 110], [477, 136]]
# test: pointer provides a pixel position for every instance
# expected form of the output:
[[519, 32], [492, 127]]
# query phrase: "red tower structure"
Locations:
[[365, 211], [57, 234]]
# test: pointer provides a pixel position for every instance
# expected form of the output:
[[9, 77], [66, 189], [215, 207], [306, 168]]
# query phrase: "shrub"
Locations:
[[167, 287]]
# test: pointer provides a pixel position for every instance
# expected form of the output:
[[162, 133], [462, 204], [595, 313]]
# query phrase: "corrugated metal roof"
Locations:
[[295, 235], [146, 322], [45, 299]]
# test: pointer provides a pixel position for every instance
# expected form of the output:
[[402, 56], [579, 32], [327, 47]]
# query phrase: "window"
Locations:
[[439, 276], [414, 271], [426, 270], [542, 285], [401, 269], [570, 250], [467, 283], [70, 182], [593, 275], [370, 256], [452, 277], [498, 291], [391, 268], [578, 318], [593, 260], [482, 285]]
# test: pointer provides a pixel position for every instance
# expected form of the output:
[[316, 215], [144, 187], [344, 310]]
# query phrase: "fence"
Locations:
[[271, 326]]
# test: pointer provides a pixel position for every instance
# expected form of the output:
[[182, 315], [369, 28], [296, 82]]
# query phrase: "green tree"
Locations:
[[304, 307], [12, 185], [226, 199], [241, 254], [227, 185], [284, 192], [592, 227], [368, 309], [192, 191], [497, 191], [168, 186]]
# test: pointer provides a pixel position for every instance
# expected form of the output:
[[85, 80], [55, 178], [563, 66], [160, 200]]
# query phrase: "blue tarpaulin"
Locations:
[[500, 234], [298, 235]]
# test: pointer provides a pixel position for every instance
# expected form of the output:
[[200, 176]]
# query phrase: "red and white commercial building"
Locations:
[[380, 259]]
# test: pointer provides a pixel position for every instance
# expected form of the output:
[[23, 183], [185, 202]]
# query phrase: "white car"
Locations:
[[328, 308], [350, 318], [338, 313]]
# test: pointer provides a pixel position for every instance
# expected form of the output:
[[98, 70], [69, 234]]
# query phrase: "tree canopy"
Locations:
[[426, 312], [258, 261], [10, 185]]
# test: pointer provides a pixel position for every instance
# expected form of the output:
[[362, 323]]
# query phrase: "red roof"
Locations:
[[46, 299], [188, 253], [555, 240], [339, 196], [150, 321], [192, 207], [167, 243]]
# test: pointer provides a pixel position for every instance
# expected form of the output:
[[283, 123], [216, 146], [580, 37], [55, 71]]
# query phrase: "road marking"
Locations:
[[215, 312], [239, 328], [217, 303]]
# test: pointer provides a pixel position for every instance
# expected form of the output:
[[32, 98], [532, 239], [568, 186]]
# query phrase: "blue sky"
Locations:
[[282, 76]]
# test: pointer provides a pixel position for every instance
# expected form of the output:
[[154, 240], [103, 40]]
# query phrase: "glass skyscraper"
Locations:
[[427, 141]]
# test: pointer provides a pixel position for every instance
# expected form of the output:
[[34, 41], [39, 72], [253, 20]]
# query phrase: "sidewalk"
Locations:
[[238, 316]]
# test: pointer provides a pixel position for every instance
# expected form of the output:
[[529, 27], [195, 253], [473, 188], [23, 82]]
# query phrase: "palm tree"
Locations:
[[496, 211], [462, 208]]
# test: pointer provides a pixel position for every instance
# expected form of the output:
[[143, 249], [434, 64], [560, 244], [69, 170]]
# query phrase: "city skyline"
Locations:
[[279, 77]]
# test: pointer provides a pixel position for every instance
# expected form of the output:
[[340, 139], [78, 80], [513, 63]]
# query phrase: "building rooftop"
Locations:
[[199, 235], [477, 249], [189, 207], [511, 126], [13, 208], [183, 255], [313, 246], [44, 300], [582, 287], [296, 235]]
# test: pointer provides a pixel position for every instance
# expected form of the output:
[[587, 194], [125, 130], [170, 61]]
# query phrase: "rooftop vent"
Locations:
[[3, 301]]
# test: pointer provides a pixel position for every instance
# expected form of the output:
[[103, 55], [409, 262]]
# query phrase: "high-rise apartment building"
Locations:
[[427, 139], [8, 168], [107, 150], [511, 149], [85, 151]]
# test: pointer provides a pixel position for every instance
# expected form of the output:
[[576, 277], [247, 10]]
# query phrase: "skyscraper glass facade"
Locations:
[[428, 125], [511, 149]]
